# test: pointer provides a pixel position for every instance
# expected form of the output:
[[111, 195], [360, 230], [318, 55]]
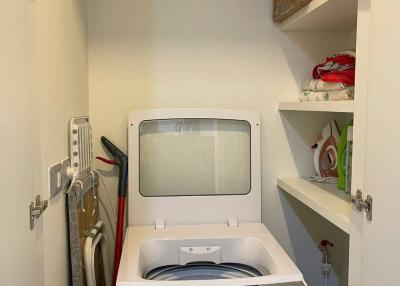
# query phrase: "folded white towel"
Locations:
[[340, 94], [320, 85]]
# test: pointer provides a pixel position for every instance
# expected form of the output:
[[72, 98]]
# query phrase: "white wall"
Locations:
[[213, 53], [62, 92]]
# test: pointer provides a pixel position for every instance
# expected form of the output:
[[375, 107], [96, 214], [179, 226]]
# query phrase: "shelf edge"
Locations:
[[339, 221], [345, 106]]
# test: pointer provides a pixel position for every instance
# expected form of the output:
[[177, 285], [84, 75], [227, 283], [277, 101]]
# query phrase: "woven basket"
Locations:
[[283, 9]]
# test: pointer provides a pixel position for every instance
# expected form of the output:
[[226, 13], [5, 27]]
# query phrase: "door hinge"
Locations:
[[36, 209], [233, 222], [362, 204], [160, 224]]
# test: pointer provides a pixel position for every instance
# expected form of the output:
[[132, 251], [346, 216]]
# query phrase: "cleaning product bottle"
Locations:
[[342, 162]]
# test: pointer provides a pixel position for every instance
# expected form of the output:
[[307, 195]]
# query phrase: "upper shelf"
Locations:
[[346, 106], [325, 199], [323, 16]]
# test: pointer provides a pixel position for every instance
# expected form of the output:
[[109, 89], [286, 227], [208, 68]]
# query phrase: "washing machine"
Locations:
[[194, 203]]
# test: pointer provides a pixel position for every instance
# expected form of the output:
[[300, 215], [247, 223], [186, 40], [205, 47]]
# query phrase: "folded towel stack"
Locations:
[[332, 80]]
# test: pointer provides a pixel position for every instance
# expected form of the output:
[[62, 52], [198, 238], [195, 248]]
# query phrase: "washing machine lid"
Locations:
[[194, 166]]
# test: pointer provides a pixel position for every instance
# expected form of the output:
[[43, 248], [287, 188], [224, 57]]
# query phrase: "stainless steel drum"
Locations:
[[201, 271]]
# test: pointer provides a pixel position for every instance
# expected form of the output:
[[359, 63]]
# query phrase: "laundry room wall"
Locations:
[[61, 80], [215, 54]]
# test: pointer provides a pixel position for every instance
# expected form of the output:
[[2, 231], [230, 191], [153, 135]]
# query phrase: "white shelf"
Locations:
[[331, 203], [346, 106], [324, 15]]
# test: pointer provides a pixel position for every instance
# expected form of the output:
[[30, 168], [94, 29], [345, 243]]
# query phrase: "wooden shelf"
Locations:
[[346, 106], [325, 199], [324, 15]]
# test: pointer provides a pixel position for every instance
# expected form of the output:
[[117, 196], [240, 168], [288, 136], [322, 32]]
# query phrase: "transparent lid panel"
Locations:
[[192, 157]]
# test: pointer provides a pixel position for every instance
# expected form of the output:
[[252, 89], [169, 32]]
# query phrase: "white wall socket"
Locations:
[[58, 179]]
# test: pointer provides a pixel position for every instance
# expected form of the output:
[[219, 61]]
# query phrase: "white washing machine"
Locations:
[[194, 212]]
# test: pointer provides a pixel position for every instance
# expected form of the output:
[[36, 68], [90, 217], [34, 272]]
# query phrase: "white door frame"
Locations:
[[359, 137], [21, 250]]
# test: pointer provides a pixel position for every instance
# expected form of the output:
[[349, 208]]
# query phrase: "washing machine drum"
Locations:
[[201, 271]]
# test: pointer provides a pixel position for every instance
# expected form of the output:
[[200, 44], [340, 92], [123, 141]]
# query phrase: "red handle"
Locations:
[[107, 161], [325, 243], [119, 237]]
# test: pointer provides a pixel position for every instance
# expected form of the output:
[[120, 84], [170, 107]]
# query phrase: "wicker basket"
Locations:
[[283, 9]]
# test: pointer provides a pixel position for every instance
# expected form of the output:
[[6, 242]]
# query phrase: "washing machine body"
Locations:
[[194, 212], [246, 254]]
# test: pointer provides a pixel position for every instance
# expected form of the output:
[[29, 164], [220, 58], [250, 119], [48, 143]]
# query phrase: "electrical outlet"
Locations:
[[59, 180], [58, 177], [55, 179]]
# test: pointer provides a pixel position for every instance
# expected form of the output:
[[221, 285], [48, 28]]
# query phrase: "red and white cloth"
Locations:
[[319, 85], [332, 80], [338, 68]]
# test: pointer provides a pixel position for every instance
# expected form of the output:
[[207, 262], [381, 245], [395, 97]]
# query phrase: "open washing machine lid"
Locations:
[[194, 166]]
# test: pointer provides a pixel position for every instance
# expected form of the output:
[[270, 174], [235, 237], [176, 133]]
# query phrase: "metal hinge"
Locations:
[[233, 222], [362, 204], [160, 224], [36, 209]]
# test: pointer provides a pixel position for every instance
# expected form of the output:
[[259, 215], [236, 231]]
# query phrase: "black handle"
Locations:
[[122, 161]]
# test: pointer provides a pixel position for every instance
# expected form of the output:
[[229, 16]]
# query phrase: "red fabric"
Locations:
[[346, 73], [343, 60], [347, 77]]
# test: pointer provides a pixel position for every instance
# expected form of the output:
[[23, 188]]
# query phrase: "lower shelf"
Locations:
[[325, 199]]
